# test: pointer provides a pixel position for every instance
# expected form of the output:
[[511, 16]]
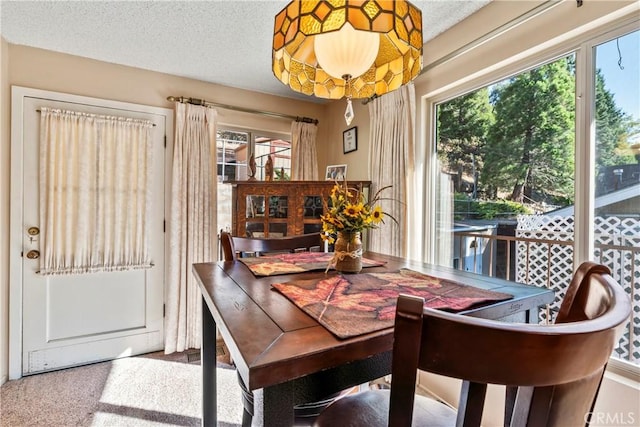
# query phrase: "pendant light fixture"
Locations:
[[353, 49]]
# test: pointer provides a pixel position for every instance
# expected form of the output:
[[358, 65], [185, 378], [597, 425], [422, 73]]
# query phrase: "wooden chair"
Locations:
[[232, 246], [235, 247], [557, 368]]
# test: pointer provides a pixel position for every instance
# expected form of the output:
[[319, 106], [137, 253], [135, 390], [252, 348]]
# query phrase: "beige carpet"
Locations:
[[148, 390]]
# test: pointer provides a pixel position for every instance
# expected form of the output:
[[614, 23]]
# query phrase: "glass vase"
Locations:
[[348, 252]]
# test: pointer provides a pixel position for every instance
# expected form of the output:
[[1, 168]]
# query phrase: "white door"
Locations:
[[70, 320]]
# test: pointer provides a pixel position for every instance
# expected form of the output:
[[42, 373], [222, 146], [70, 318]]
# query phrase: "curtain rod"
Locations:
[[204, 103], [153, 124]]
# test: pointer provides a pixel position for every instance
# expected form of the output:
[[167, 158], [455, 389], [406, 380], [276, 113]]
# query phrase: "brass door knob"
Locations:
[[33, 254]]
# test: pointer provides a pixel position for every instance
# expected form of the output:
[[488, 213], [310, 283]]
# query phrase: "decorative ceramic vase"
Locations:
[[348, 252]]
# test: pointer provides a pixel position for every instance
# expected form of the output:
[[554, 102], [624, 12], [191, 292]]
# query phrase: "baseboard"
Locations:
[[629, 371], [429, 393], [4, 379]]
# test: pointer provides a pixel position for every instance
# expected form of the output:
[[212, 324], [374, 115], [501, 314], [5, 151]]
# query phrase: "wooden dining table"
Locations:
[[278, 348]]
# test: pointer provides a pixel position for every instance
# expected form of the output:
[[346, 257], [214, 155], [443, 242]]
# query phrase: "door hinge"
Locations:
[[165, 141], [164, 310], [164, 225], [21, 254]]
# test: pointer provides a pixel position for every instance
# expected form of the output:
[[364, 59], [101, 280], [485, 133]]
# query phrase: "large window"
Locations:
[[511, 167], [506, 155], [280, 152], [234, 150]]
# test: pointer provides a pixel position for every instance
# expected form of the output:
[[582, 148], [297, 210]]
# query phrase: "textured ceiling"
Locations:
[[223, 42]]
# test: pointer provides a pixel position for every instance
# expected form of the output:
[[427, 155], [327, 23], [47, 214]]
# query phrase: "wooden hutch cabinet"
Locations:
[[280, 208]]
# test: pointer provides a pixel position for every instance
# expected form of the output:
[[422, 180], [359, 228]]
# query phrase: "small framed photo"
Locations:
[[350, 140], [336, 173]]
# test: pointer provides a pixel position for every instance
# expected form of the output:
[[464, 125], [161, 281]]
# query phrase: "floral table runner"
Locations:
[[361, 303], [298, 262]]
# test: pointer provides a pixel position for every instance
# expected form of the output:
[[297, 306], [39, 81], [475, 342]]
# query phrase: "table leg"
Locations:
[[208, 361], [510, 402], [531, 316], [278, 405]]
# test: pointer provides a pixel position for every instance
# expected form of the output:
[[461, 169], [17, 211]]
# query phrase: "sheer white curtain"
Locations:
[[304, 157], [444, 219], [392, 121], [94, 192], [192, 235]]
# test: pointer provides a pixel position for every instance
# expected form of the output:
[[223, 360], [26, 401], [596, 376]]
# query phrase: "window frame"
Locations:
[[218, 159], [252, 133], [583, 47]]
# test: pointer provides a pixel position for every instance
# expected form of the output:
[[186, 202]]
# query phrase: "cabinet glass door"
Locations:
[[278, 206], [313, 207], [255, 206]]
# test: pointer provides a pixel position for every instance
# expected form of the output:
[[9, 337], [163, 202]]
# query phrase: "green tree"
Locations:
[[614, 128], [531, 149], [463, 125]]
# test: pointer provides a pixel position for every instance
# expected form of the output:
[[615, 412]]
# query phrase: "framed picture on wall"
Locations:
[[350, 140], [336, 173]]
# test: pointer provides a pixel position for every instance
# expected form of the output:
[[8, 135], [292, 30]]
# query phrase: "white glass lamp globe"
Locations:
[[346, 52]]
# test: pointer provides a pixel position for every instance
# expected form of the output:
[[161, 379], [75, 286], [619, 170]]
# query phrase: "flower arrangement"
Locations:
[[349, 211]]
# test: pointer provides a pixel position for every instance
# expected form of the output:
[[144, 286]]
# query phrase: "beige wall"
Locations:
[[42, 69], [330, 149], [4, 209], [47, 70]]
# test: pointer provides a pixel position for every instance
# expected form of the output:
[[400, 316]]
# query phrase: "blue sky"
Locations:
[[623, 83]]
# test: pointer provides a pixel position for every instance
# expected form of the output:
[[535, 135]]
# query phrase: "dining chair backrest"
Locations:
[[232, 246], [558, 368], [586, 297]]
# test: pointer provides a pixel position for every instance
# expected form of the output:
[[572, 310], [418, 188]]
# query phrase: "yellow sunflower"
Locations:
[[376, 215], [352, 210]]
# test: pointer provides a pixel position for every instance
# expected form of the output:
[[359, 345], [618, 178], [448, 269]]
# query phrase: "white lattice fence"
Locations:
[[544, 257], [618, 247]]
